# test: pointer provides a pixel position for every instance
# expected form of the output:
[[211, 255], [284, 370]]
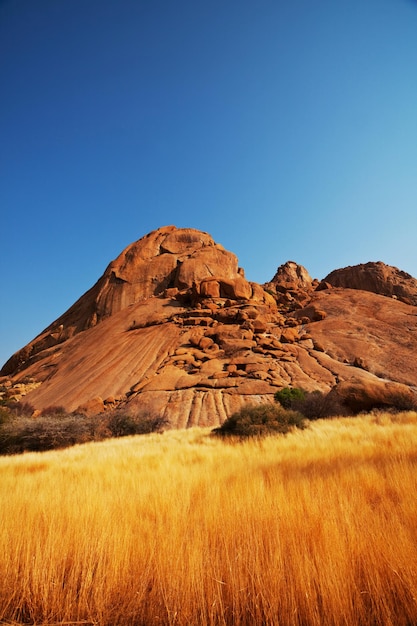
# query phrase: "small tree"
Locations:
[[288, 396], [121, 424], [312, 404]]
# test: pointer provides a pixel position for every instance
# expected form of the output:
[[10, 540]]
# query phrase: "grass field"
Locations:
[[315, 528]]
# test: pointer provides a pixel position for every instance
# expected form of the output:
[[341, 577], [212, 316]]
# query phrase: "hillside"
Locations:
[[174, 329]]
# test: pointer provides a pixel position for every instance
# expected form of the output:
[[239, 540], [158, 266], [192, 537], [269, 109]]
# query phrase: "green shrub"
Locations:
[[287, 396], [312, 404], [259, 421]]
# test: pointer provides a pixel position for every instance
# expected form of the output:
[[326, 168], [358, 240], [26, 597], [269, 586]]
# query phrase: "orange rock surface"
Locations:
[[173, 329]]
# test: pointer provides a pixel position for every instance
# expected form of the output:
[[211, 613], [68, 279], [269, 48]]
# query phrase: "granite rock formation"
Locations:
[[173, 329], [377, 278]]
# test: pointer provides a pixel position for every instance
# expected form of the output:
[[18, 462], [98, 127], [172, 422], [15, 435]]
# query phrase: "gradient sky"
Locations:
[[285, 129]]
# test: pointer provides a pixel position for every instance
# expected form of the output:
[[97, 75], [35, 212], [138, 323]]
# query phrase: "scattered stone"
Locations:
[[205, 343], [359, 362], [289, 335], [324, 284], [259, 326], [91, 407]]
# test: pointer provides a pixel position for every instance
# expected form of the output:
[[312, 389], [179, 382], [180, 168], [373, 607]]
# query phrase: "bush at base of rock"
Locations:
[[312, 404], [348, 398], [25, 434], [288, 395], [58, 429], [316, 404], [260, 421], [124, 424], [20, 408]]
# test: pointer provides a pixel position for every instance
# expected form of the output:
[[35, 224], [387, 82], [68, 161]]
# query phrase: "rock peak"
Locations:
[[294, 274], [291, 282], [377, 277], [182, 263]]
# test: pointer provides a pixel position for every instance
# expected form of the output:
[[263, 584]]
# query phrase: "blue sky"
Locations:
[[285, 129]]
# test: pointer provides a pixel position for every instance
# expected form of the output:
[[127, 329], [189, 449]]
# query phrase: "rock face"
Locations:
[[174, 330], [292, 284], [369, 394], [377, 278], [291, 276], [176, 261]]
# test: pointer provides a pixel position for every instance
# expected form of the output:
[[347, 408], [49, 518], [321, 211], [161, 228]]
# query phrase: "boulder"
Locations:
[[91, 407], [310, 314], [184, 241], [236, 289], [205, 263], [259, 326], [289, 335], [364, 395], [323, 284], [377, 278], [210, 288], [290, 275]]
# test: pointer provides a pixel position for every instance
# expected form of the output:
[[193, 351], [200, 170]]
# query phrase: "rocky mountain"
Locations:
[[378, 278], [174, 329]]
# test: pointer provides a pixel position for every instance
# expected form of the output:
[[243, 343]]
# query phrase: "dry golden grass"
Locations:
[[315, 528]]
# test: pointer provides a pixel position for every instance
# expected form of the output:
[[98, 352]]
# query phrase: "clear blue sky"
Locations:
[[287, 129]]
